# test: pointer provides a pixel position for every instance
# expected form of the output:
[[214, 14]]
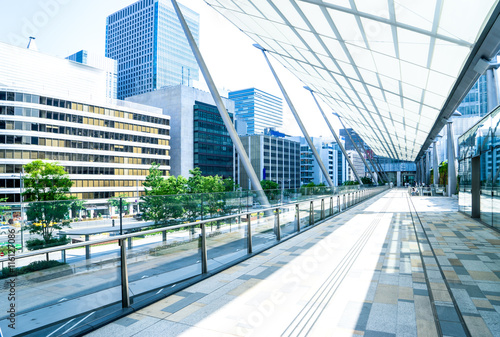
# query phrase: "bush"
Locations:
[[33, 266], [35, 244], [366, 180]]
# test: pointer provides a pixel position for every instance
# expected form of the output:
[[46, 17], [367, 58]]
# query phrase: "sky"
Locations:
[[63, 27]]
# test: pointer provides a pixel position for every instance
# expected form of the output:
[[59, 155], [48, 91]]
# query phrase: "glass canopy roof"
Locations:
[[385, 66]]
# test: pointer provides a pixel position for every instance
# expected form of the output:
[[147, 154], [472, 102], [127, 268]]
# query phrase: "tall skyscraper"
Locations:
[[258, 109], [149, 44], [110, 66]]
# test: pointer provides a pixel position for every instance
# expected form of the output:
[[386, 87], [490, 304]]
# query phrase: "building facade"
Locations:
[[199, 136], [149, 44], [358, 164], [110, 66], [258, 109], [331, 156], [106, 146], [273, 158]]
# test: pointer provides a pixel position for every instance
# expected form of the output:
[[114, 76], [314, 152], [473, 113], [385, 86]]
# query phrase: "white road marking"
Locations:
[[62, 299], [144, 276], [59, 328], [159, 291], [78, 322]]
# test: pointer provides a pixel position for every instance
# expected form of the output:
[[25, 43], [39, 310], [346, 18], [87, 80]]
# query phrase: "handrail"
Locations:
[[160, 229]]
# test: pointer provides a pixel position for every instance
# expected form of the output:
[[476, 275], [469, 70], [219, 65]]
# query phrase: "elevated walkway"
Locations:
[[392, 266]]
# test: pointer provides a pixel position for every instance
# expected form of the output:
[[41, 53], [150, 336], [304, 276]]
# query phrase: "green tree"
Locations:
[[270, 189], [3, 208], [162, 202], [443, 173], [46, 188], [76, 207], [230, 185], [366, 180]]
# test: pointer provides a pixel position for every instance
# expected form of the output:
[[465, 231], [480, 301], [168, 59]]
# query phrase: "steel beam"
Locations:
[[359, 152], [336, 137], [222, 110], [297, 118]]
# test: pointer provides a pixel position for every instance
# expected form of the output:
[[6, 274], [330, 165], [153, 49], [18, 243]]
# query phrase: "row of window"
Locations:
[[78, 157], [26, 126], [28, 98]]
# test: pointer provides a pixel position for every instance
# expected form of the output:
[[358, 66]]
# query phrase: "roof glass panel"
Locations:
[[385, 66]]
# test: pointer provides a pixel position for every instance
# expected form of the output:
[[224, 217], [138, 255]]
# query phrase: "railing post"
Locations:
[[129, 242], [311, 213], [297, 212], [249, 234], [322, 209], [63, 255], [338, 203], [204, 260], [331, 206], [87, 247], [278, 227], [124, 275], [164, 236]]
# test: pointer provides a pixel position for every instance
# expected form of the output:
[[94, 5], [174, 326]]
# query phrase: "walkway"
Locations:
[[390, 266]]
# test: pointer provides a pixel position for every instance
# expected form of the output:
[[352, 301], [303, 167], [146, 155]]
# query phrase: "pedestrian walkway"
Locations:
[[392, 266]]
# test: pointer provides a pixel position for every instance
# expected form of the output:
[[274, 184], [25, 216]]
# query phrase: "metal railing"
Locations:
[[117, 271], [430, 191]]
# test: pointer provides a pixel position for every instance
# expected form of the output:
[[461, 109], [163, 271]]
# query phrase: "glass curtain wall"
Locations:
[[481, 142]]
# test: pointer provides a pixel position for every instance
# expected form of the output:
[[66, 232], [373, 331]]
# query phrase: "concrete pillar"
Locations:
[[428, 168], [452, 173], [398, 174]]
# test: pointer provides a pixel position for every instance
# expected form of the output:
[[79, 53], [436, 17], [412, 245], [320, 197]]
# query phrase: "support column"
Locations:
[[222, 110], [435, 164], [452, 173], [336, 137], [491, 89], [428, 168], [297, 118], [359, 152], [398, 178]]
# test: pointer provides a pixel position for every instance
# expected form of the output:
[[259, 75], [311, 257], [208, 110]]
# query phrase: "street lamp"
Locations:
[[21, 186]]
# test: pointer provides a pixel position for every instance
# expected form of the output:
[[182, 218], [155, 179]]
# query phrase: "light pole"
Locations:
[[21, 186]]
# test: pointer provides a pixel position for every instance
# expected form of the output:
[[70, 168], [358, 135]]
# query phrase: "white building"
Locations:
[[57, 110]]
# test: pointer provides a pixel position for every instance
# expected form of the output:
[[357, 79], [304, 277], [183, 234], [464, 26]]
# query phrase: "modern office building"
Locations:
[[149, 44], [199, 136], [273, 158], [331, 156], [359, 166], [57, 110], [258, 109], [110, 66]]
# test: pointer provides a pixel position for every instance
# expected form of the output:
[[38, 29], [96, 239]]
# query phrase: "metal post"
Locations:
[[322, 209], [63, 255], [278, 227], [222, 110], [428, 168], [357, 149], [124, 275], [452, 174], [297, 212], [164, 236], [331, 207], [311, 213], [87, 247], [129, 242], [21, 186], [338, 203], [121, 216], [204, 259], [435, 164], [249, 235], [336, 137], [299, 121]]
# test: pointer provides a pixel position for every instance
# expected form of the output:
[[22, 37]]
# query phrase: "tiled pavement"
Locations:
[[375, 270]]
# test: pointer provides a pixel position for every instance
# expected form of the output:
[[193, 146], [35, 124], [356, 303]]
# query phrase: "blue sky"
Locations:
[[62, 27]]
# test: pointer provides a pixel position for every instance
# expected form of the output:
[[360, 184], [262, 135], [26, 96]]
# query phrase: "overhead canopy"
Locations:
[[386, 67]]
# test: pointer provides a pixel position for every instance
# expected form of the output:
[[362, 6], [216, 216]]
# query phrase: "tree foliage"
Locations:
[[46, 188], [366, 180]]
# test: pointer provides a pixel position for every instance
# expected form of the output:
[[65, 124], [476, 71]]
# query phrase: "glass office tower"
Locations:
[[149, 44], [258, 109]]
